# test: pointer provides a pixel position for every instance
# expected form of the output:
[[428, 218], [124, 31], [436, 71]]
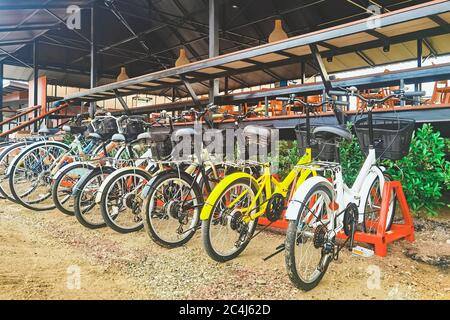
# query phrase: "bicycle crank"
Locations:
[[275, 207]]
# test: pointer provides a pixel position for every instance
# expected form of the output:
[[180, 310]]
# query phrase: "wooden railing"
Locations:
[[31, 121], [19, 115]]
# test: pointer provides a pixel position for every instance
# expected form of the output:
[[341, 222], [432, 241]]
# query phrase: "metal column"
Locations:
[[35, 83], [418, 86], [213, 44], [94, 60]]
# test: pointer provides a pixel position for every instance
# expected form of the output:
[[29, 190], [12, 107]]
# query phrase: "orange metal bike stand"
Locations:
[[398, 231], [280, 224]]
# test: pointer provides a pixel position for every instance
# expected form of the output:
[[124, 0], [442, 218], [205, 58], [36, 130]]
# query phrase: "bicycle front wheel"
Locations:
[[86, 210], [227, 232], [29, 179], [120, 202], [305, 256], [62, 187]]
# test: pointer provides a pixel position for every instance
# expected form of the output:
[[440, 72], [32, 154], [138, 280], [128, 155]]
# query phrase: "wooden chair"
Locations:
[[439, 96]]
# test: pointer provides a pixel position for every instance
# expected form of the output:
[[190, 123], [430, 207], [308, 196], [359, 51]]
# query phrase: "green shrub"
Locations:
[[424, 172], [68, 138]]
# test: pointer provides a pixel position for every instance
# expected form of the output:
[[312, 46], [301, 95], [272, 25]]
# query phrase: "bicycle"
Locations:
[[321, 208], [118, 195], [172, 199], [113, 146], [89, 193], [230, 214], [7, 155], [30, 173]]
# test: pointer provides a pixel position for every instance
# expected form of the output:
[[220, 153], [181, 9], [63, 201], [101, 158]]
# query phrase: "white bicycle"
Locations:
[[322, 207]]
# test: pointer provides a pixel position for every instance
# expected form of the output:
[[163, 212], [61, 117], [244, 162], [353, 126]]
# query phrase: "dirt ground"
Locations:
[[50, 256]]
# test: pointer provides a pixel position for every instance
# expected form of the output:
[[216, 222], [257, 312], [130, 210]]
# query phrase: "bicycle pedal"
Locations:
[[362, 252]]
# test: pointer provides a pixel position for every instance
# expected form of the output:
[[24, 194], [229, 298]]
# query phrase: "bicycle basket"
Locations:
[[133, 128], [160, 145], [107, 128], [392, 136], [320, 150]]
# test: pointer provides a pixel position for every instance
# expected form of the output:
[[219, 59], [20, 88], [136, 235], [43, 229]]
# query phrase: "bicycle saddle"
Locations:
[[44, 130], [74, 129], [118, 137], [332, 132]]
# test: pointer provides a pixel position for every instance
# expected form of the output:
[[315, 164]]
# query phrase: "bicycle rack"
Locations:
[[398, 231], [382, 238]]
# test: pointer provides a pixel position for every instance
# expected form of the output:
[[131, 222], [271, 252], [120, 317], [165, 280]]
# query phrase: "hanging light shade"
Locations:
[[278, 33], [182, 59], [123, 74]]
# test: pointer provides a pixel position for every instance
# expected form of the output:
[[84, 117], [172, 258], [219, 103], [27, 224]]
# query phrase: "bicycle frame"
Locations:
[[342, 194], [264, 185]]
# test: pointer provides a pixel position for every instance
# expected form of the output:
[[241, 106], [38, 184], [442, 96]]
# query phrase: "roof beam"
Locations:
[[36, 6], [29, 27]]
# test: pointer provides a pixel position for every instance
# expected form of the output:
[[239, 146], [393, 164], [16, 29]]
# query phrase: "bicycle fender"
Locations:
[[217, 191], [112, 176], [375, 172], [299, 196], [71, 165], [88, 176], [29, 147], [148, 188]]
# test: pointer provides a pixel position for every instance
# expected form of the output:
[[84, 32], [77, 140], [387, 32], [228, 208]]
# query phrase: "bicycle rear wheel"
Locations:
[[62, 187], [171, 209], [87, 212], [6, 157], [120, 202], [305, 256]]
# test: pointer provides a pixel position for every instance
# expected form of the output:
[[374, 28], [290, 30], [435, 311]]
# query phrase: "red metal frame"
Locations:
[[398, 231]]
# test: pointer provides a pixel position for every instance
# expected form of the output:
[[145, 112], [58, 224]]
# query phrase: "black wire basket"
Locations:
[[160, 145], [392, 136], [321, 150], [133, 128], [107, 127]]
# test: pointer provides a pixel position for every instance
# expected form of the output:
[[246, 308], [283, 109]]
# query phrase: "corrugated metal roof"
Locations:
[[167, 25]]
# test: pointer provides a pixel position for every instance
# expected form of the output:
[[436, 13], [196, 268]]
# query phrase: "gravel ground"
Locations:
[[41, 253]]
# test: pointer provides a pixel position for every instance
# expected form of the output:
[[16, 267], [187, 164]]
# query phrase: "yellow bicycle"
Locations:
[[230, 213]]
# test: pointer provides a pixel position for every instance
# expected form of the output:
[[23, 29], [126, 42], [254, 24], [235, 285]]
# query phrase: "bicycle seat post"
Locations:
[[370, 123]]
